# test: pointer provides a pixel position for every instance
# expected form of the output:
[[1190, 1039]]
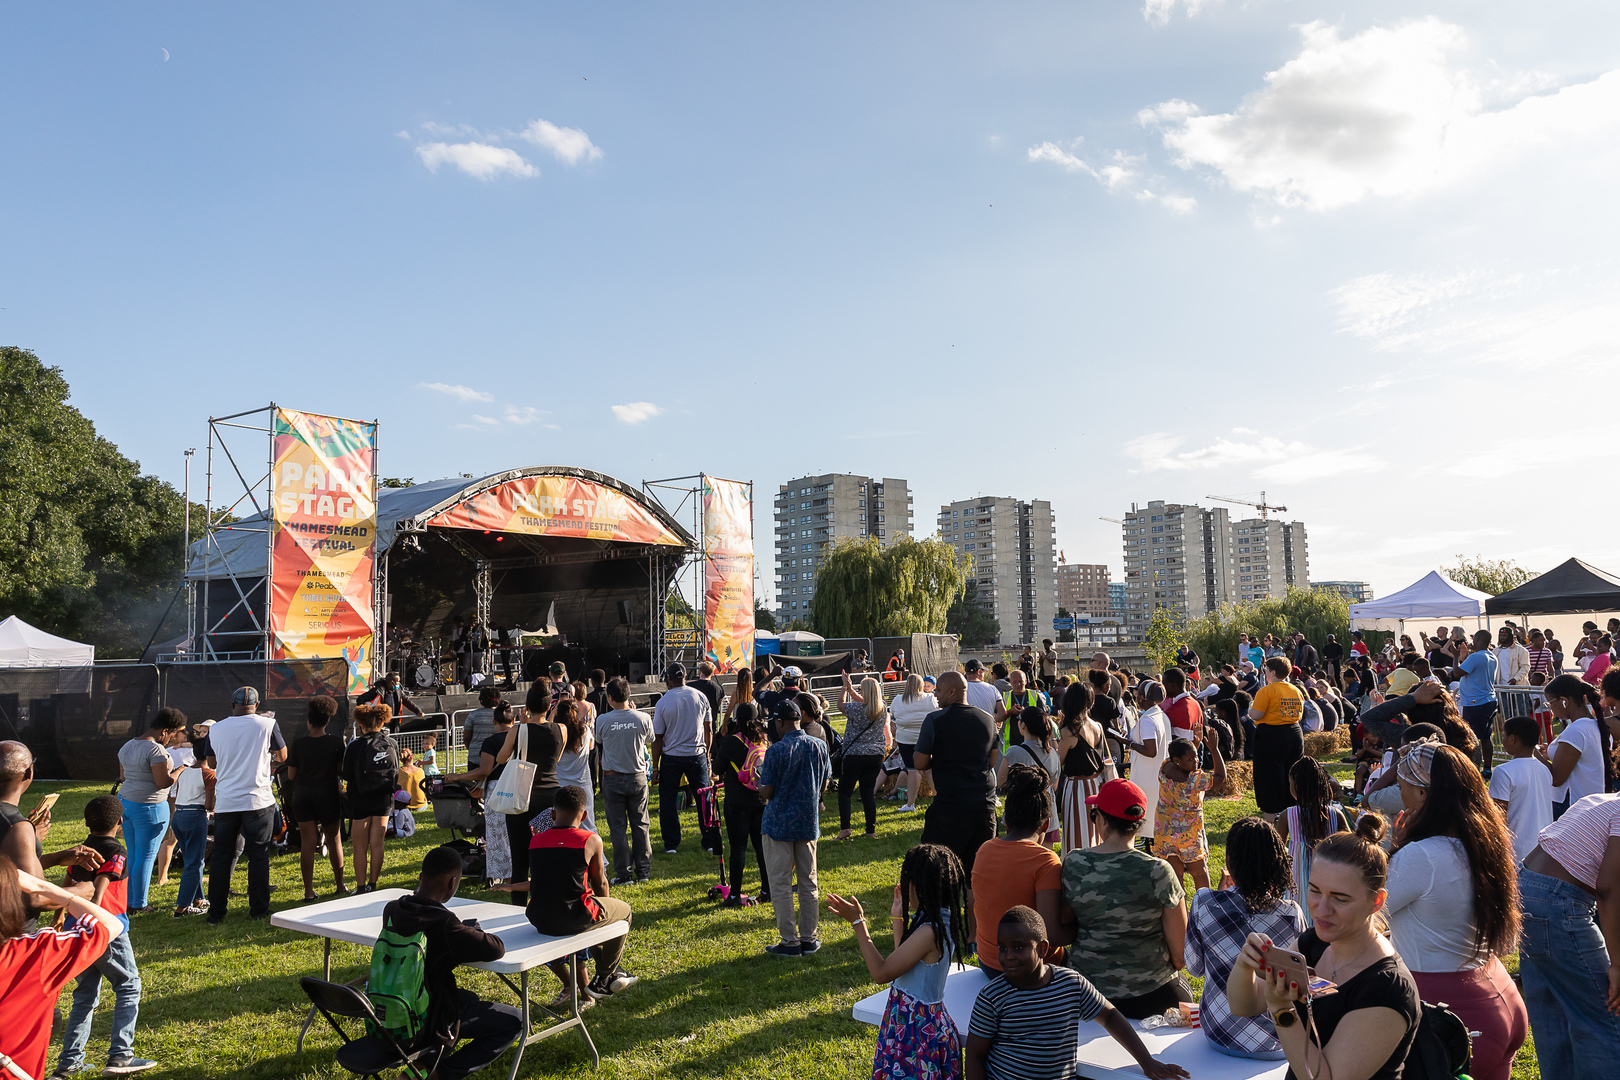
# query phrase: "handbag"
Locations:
[[839, 748], [510, 795]]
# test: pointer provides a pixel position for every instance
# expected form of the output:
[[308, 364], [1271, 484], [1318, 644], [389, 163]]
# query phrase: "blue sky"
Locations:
[[1097, 252]]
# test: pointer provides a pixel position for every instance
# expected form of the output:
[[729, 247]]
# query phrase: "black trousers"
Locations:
[[1154, 1002], [488, 1030], [672, 773], [1276, 748], [518, 835], [962, 826], [862, 770], [253, 828], [742, 824]]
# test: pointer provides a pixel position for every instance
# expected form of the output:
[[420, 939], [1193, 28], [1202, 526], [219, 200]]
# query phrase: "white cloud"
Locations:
[[476, 159], [456, 390], [1272, 459], [1386, 113], [1121, 174], [568, 145], [1158, 12], [488, 421], [522, 414], [636, 412]]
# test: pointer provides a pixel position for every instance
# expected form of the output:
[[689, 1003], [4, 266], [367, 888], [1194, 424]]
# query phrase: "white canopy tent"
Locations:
[[22, 645], [1433, 596]]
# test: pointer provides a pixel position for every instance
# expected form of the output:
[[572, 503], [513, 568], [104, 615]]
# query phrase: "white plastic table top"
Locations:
[[358, 920], [1101, 1058]]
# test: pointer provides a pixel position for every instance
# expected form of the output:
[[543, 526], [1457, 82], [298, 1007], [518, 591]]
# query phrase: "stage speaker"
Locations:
[[625, 610]]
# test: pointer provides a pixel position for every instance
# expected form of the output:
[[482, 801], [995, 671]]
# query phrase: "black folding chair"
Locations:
[[369, 1054]]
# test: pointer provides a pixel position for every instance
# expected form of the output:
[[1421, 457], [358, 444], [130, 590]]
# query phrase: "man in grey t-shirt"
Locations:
[[624, 734]]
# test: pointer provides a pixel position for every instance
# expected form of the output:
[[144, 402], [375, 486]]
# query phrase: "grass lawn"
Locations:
[[225, 1001]]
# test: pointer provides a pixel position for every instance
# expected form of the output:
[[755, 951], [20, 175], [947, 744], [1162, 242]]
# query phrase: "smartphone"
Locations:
[[44, 807], [1293, 965]]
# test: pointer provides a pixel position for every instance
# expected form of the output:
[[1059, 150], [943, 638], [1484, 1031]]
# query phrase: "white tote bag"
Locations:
[[510, 795]]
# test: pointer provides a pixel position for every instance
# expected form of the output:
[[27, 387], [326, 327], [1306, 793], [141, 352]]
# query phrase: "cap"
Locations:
[[792, 673], [244, 695], [675, 671], [556, 668], [1121, 799], [203, 724], [1296, 671], [785, 710], [930, 680], [973, 665]]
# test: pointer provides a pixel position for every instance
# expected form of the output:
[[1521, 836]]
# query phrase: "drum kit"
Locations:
[[422, 665]]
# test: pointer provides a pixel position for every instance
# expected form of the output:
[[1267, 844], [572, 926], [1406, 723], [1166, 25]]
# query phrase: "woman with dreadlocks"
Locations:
[[1221, 921], [1315, 816], [918, 1040]]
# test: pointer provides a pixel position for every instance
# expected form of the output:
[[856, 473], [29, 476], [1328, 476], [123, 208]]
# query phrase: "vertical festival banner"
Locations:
[[324, 546], [728, 573]]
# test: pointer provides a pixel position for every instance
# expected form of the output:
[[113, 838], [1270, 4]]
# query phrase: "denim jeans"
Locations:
[[672, 773], [144, 826], [1565, 969], [191, 835], [1480, 717], [117, 965]]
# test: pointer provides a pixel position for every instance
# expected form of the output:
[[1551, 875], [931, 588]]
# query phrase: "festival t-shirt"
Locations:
[[1034, 1034], [1279, 703], [33, 969], [1119, 900], [115, 868]]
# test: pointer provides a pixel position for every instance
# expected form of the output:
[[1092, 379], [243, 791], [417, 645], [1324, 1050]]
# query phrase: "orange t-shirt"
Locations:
[[1007, 873]]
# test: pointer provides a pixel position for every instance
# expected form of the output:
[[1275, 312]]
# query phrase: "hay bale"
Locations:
[[1239, 779], [1328, 745]]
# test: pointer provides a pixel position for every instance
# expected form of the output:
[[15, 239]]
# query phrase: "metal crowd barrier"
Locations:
[[1514, 701], [416, 741]]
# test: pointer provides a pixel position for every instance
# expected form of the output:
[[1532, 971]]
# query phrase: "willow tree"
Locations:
[[866, 590]]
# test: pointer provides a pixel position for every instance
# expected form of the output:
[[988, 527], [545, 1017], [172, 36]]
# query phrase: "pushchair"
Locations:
[[454, 808], [708, 808]]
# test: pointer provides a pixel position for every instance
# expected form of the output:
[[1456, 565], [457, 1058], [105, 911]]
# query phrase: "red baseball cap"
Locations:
[[1121, 799]]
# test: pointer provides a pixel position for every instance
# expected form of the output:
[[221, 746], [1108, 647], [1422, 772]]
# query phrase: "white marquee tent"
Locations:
[[22, 645], [1433, 596]]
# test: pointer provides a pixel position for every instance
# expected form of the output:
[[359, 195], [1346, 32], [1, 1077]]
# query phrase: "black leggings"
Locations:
[[862, 769], [742, 823]]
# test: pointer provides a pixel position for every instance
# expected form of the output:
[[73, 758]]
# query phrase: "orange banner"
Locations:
[[559, 506], [728, 573], [323, 553]]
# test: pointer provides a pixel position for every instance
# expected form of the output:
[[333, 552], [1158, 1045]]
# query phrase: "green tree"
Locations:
[[866, 590], [970, 622], [1492, 576], [1316, 612], [764, 618], [89, 547], [1162, 639], [678, 613]]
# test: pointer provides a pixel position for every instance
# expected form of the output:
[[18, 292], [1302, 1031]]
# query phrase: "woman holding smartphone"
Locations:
[[1365, 1027]]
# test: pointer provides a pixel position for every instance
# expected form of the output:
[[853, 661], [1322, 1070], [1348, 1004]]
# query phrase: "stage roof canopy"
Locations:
[[1433, 596], [537, 503], [1567, 589]]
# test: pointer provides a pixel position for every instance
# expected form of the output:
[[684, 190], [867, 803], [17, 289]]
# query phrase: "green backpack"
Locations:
[[397, 986]]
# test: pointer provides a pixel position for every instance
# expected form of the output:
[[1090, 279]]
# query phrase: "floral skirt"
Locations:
[[916, 1042], [497, 848]]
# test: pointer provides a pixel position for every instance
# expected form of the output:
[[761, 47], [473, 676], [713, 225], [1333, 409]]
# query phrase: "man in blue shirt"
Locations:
[[791, 778], [1478, 694]]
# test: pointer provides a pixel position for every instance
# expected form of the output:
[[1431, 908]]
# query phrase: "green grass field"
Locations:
[[225, 1001]]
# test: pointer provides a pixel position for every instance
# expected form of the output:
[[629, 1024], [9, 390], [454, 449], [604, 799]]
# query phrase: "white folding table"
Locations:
[[1101, 1058], [358, 920]]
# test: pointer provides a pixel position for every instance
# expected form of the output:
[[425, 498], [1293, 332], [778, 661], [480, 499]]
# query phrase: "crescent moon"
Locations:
[[165, 56]]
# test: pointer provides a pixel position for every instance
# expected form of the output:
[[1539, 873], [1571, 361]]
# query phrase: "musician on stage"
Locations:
[[389, 691]]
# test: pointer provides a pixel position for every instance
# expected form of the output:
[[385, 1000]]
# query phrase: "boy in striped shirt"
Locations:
[[1026, 1021]]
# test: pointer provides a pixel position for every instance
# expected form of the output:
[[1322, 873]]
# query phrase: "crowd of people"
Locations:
[[1065, 824]]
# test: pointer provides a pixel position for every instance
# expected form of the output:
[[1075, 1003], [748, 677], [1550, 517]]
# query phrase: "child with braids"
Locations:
[[1020, 868], [917, 1040], [1178, 830], [1315, 816]]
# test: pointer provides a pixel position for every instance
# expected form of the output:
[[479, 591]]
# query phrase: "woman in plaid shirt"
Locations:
[[1256, 901]]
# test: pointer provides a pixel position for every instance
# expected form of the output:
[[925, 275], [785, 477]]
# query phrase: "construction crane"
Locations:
[[1116, 521], [1260, 506]]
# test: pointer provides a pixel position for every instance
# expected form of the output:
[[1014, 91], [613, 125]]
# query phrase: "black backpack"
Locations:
[[376, 778], [1442, 1049]]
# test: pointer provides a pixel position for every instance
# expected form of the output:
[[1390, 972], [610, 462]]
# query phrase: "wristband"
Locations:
[[858, 922]]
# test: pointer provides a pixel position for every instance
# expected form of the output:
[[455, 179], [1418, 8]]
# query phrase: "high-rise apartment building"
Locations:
[[1268, 557], [1357, 592], [1083, 588], [1116, 599], [1192, 560], [1014, 547], [813, 512], [1177, 556]]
